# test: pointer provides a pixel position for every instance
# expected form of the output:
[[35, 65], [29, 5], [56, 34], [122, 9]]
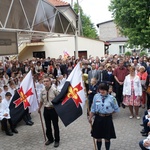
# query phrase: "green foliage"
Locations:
[[143, 53], [133, 20], [88, 27], [128, 53]]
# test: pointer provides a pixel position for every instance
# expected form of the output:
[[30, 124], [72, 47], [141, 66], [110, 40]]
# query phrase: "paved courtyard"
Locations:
[[76, 136]]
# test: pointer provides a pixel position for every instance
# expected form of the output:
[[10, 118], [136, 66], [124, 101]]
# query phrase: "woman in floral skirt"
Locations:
[[132, 92]]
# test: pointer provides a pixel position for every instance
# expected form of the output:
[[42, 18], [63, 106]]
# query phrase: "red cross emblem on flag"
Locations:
[[23, 98], [72, 93]]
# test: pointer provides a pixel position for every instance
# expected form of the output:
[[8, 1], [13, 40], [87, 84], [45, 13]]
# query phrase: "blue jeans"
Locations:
[[141, 145]]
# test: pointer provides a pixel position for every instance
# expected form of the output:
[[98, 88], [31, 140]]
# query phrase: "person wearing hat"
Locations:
[[5, 116], [103, 106]]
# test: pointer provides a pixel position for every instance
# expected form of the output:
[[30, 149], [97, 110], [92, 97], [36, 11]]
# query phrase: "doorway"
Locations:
[[40, 54]]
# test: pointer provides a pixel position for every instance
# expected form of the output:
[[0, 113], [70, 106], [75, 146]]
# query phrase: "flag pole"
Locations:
[[42, 126], [91, 129], [90, 123], [40, 115], [87, 104]]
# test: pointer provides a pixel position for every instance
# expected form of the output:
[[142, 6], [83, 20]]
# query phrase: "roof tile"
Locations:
[[58, 2]]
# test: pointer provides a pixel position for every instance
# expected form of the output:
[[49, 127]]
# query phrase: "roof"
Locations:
[[58, 2], [104, 22], [118, 39], [107, 44]]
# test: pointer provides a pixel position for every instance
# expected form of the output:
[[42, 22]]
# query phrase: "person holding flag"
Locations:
[[70, 102], [50, 115], [103, 106], [23, 99]]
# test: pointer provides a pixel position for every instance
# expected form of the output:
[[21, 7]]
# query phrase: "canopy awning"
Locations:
[[33, 19]]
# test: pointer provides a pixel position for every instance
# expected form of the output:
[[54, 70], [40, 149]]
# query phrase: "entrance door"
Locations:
[[40, 54], [82, 54]]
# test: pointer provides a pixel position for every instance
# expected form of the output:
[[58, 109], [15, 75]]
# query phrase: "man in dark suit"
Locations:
[[93, 73], [102, 74], [63, 68], [86, 69], [57, 71]]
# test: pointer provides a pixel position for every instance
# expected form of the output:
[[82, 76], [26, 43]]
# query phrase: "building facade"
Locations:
[[108, 32], [54, 47]]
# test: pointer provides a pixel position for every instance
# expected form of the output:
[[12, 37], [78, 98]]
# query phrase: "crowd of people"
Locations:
[[126, 79]]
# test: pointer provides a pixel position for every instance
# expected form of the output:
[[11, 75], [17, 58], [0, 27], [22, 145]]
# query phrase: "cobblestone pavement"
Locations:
[[76, 136]]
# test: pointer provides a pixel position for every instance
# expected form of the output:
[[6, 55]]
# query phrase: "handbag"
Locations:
[[148, 90]]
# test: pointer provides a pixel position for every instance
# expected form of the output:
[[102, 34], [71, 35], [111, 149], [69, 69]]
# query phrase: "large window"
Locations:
[[121, 49]]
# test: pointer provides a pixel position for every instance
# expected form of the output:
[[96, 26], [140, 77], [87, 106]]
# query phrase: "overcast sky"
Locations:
[[96, 9]]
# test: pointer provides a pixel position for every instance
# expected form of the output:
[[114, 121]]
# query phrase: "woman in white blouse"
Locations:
[[132, 91]]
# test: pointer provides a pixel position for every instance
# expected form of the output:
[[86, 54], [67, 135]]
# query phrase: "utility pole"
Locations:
[[72, 3], [79, 19], [77, 31]]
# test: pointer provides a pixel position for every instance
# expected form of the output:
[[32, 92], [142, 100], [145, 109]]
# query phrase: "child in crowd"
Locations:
[[145, 144], [92, 91], [111, 92], [5, 116], [146, 123]]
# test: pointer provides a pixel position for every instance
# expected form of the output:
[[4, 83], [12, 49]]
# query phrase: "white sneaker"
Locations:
[[130, 117], [138, 117]]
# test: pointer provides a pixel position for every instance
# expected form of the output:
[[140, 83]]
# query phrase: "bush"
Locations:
[[143, 53], [128, 53]]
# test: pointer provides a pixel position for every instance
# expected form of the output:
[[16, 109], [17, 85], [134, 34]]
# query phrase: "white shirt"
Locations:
[[136, 83], [61, 84], [4, 109]]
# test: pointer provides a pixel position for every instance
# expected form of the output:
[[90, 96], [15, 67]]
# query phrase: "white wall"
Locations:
[[54, 47], [93, 47], [114, 47], [27, 53]]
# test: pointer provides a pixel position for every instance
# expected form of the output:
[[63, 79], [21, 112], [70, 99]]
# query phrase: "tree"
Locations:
[[128, 53], [88, 27], [133, 20]]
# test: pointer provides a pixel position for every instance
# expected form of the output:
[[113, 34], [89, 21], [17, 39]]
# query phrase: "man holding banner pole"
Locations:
[[50, 115]]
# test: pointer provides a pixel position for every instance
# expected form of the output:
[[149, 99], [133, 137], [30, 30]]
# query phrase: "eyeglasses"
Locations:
[[46, 81]]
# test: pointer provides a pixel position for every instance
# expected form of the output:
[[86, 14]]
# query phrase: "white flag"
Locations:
[[28, 91]]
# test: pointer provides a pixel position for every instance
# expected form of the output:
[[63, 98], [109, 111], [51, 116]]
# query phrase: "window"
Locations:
[[121, 49]]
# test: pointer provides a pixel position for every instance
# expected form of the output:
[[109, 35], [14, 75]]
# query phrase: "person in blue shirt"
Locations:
[[103, 106]]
